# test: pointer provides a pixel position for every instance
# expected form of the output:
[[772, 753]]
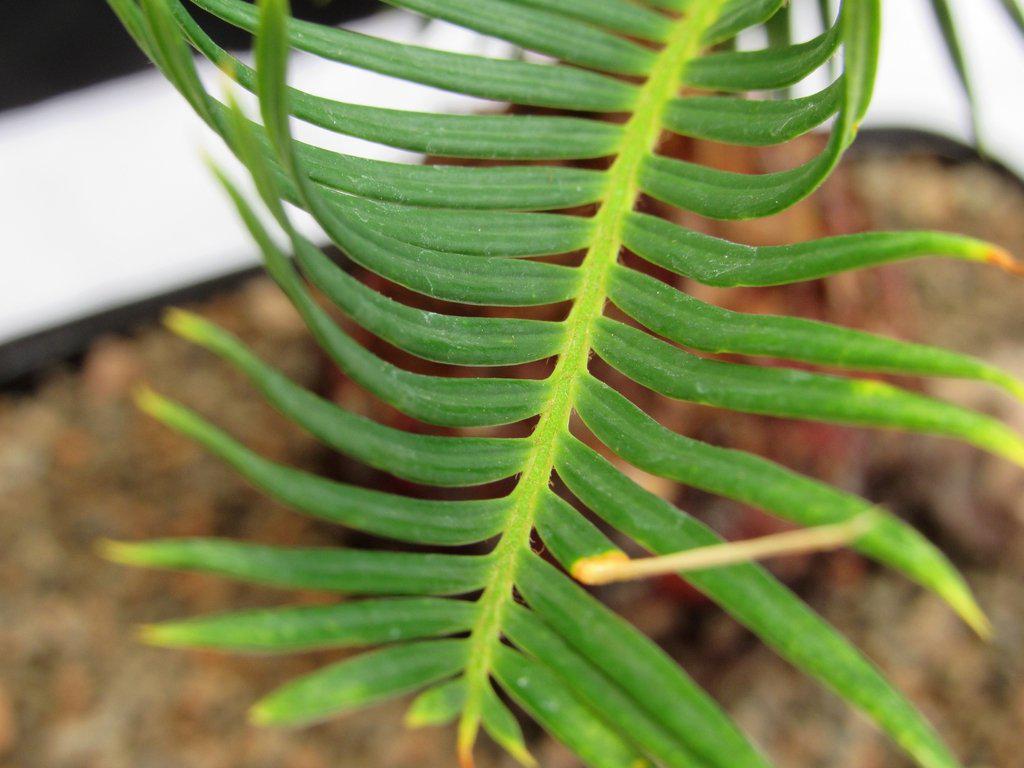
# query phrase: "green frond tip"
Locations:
[[975, 618], [159, 407], [228, 69], [438, 705], [524, 758], [262, 714], [360, 682], [169, 635], [187, 325], [125, 552]]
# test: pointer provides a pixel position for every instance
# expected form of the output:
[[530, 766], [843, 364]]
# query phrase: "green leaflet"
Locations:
[[780, 28], [443, 275], [507, 137], [623, 16], [448, 276], [438, 705], [726, 195], [502, 726], [442, 703], [718, 262], [617, 708], [824, 8], [737, 15], [435, 399], [794, 393], [862, 34], [351, 571], [162, 44], [537, 28], [485, 233], [493, 137], [752, 596], [1015, 12], [515, 187], [541, 694], [306, 627], [637, 665], [360, 682], [693, 323], [729, 195], [512, 187], [446, 338], [431, 335], [422, 521], [641, 441], [568, 535], [763, 70], [521, 82], [947, 25], [751, 122], [445, 461]]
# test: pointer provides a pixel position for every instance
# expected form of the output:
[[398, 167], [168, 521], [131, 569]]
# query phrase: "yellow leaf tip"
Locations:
[[120, 552], [227, 69], [522, 756], [416, 718], [597, 569], [147, 400], [260, 714], [153, 634], [183, 323], [976, 619]]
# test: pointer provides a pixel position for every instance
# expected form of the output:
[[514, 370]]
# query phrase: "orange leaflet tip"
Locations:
[[1004, 260], [466, 740], [466, 755], [596, 570]]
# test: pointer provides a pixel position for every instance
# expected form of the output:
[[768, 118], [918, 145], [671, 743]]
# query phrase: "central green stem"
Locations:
[[639, 138]]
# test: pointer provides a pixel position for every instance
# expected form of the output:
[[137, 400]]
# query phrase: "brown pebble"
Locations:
[[73, 689], [72, 449], [8, 727], [269, 310], [111, 368]]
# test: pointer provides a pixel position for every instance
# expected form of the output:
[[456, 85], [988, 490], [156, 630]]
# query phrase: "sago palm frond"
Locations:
[[470, 631]]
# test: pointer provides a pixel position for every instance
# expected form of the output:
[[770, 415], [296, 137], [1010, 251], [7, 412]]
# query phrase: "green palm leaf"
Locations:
[[448, 625]]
